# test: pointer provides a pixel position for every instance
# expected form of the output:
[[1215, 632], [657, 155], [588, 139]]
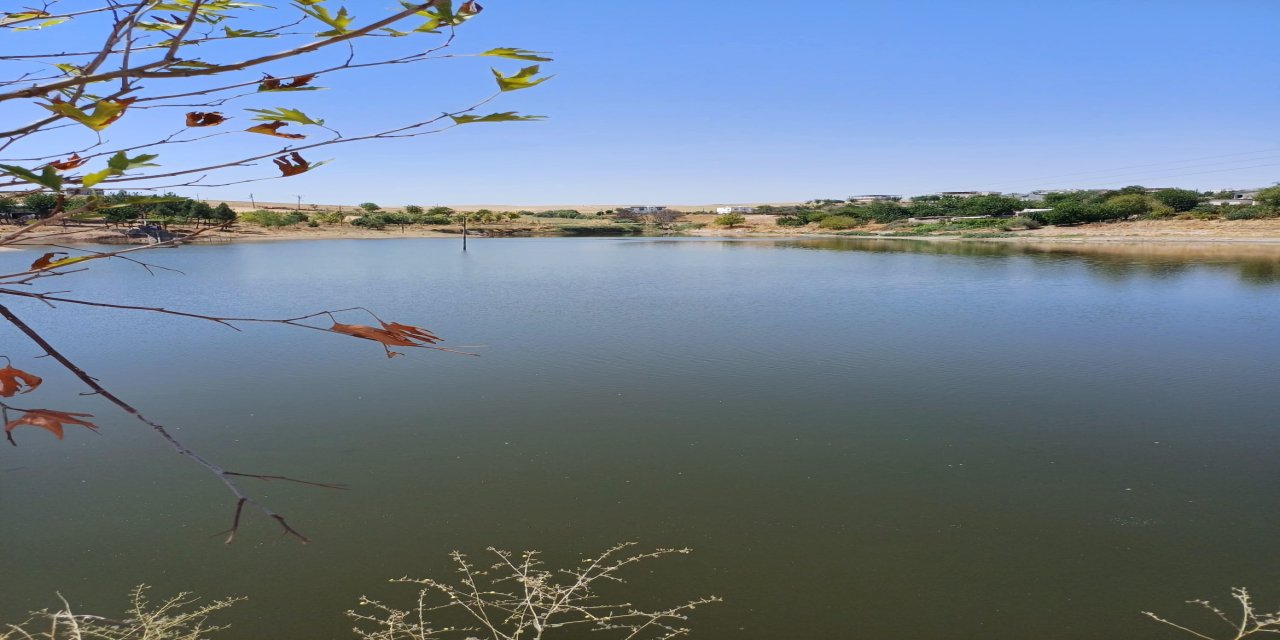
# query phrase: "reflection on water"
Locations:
[[1254, 263]]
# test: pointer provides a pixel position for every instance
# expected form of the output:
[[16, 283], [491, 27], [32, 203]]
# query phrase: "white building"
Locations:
[[743, 210], [646, 209], [874, 197]]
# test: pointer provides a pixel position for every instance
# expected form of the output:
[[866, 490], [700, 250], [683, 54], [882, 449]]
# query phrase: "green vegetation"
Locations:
[[838, 222], [561, 213], [273, 219], [730, 220]]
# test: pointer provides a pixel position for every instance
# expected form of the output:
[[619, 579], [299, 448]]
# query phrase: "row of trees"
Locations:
[[118, 208], [1063, 208]]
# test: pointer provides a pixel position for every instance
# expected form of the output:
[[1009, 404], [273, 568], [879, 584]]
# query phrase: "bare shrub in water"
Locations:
[[519, 597], [180, 617], [1247, 623]]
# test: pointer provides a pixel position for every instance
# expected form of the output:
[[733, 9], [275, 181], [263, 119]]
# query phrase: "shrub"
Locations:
[[1270, 196], [370, 207], [370, 222], [312, 223], [730, 220], [568, 214], [1020, 222], [791, 221], [433, 219], [327, 217], [838, 222], [413, 210], [1246, 213], [273, 218]]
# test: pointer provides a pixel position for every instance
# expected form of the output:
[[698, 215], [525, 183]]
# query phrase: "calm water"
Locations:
[[859, 438]]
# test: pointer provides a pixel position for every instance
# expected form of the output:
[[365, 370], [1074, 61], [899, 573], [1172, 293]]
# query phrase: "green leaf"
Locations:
[[121, 163], [506, 116], [523, 79], [48, 178], [104, 112], [246, 33], [286, 114], [117, 165], [339, 22], [91, 179], [516, 54], [46, 23]]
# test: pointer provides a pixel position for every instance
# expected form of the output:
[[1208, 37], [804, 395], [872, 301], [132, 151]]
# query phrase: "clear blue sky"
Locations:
[[753, 101]]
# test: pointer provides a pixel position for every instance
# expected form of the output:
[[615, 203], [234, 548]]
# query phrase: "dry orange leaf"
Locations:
[[14, 381], [391, 335], [203, 119], [70, 163], [272, 129], [292, 164], [272, 83], [49, 420], [411, 332]]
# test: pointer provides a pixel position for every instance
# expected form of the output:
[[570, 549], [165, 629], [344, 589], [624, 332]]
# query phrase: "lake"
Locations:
[[857, 437]]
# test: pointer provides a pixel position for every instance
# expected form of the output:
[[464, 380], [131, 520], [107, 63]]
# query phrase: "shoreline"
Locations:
[[1259, 233]]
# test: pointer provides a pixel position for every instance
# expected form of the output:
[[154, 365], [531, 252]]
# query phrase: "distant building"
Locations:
[[645, 209], [1233, 202], [966, 194], [874, 197], [724, 210]]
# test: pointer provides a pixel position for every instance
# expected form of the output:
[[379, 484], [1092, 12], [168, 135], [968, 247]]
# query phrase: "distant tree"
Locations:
[[1131, 190], [413, 210], [990, 206], [7, 205], [223, 213], [440, 211], [730, 220], [1270, 196], [40, 204], [885, 211], [370, 207], [1177, 199], [1127, 206], [402, 219]]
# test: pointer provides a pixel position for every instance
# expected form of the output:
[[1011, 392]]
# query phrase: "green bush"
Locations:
[[370, 207], [1247, 213], [791, 221], [273, 218], [327, 217], [568, 214], [838, 222], [730, 220], [370, 222], [433, 219], [413, 210]]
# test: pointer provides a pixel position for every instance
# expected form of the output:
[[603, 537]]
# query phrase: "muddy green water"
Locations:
[[858, 438]]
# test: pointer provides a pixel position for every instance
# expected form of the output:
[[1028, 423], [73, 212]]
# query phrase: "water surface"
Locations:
[[859, 438]]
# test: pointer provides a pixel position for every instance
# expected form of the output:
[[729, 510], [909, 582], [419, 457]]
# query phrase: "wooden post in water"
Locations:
[[464, 233]]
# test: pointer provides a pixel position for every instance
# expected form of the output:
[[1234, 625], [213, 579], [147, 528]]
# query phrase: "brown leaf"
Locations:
[[45, 260], [410, 332], [73, 161], [203, 119], [272, 83], [271, 129], [14, 381], [49, 420], [392, 335], [292, 164]]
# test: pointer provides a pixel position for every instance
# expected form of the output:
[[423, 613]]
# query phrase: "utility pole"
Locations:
[[299, 207], [255, 204]]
